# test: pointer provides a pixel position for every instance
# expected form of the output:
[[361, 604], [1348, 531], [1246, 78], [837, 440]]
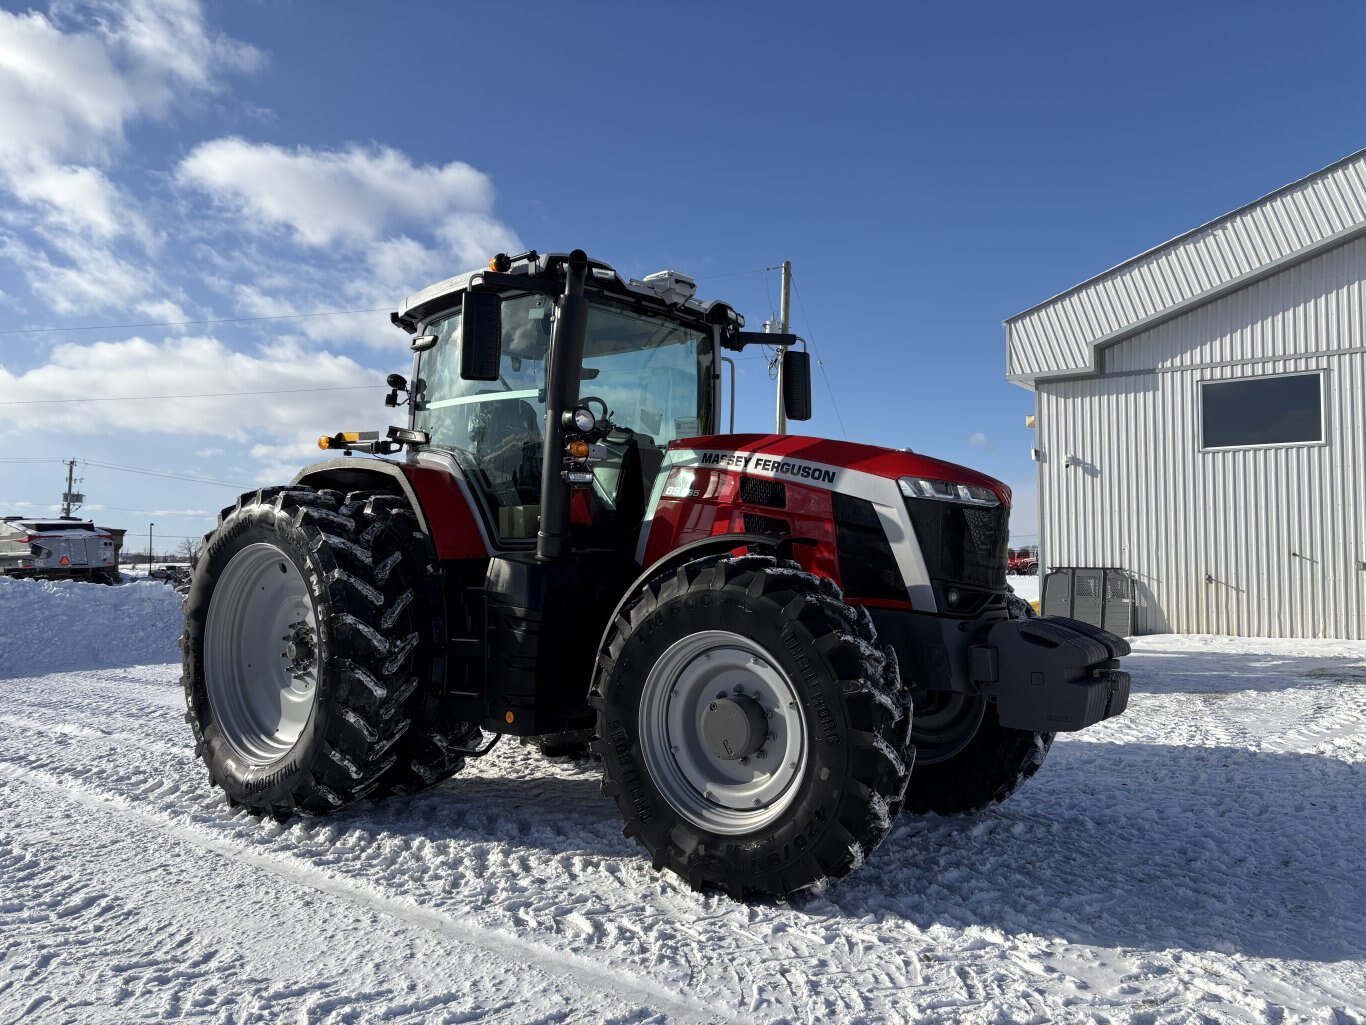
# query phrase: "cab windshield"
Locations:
[[653, 374]]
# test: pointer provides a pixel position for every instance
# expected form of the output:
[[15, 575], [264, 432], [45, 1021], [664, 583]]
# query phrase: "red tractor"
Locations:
[[1022, 562], [566, 545]]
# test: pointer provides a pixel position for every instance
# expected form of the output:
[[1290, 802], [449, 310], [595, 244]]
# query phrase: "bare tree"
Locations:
[[190, 549]]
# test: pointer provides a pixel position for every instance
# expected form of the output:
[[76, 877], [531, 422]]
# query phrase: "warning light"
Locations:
[[500, 264], [579, 449], [339, 440]]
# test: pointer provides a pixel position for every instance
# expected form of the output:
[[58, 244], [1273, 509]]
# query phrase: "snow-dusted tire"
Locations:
[[569, 746], [436, 746], [313, 726], [722, 655], [967, 760]]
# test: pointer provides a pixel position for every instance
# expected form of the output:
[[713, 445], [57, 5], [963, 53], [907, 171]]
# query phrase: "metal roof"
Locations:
[[1059, 337]]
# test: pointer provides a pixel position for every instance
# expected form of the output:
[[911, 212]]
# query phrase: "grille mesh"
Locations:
[[962, 544], [763, 491], [757, 524], [867, 567]]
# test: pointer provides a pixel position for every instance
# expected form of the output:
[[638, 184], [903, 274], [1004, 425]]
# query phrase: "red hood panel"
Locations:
[[882, 462]]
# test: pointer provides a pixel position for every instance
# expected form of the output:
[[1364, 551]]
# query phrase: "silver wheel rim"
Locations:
[[261, 653], [725, 796]]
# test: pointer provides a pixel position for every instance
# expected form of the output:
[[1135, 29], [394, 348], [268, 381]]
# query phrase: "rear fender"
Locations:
[[442, 509]]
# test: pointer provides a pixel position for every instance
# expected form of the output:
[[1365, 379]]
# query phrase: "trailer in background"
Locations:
[[57, 548]]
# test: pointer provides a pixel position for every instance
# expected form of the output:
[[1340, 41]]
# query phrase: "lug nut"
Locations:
[[761, 753], [744, 760], [771, 736], [711, 707], [738, 688]]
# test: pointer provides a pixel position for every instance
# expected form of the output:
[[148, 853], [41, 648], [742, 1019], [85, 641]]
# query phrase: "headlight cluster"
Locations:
[[947, 491]]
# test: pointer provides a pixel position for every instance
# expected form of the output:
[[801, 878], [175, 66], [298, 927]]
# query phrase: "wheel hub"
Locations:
[[734, 728], [299, 648]]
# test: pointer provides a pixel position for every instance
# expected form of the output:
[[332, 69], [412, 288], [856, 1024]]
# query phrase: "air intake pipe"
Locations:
[[561, 394]]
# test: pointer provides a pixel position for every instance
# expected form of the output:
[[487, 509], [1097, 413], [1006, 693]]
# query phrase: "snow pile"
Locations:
[[51, 626]]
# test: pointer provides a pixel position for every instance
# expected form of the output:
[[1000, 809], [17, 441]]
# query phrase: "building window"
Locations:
[[1282, 410]]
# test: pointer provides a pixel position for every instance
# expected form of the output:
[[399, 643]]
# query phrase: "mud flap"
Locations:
[[1052, 674]]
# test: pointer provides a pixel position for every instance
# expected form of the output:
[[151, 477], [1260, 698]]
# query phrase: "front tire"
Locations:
[[967, 760], [299, 652], [752, 731]]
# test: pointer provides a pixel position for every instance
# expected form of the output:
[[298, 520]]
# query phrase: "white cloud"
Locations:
[[68, 94], [71, 82], [386, 226], [354, 195], [192, 366], [93, 276], [978, 440], [78, 200]]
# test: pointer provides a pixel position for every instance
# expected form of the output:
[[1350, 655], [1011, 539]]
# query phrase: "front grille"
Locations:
[[763, 491], [962, 544], [867, 567]]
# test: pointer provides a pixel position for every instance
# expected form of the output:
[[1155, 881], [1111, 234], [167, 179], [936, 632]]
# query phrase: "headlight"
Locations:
[[947, 491], [582, 420]]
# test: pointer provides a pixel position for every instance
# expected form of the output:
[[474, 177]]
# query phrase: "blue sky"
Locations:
[[929, 171]]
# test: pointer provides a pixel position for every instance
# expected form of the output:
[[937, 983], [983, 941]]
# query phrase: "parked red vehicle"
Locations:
[[1022, 561]]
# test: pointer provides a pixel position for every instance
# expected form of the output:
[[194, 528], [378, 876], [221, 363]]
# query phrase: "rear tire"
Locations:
[[436, 747], [967, 760], [718, 657], [299, 649]]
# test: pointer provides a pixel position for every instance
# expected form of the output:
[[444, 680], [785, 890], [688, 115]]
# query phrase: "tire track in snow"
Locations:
[[584, 973]]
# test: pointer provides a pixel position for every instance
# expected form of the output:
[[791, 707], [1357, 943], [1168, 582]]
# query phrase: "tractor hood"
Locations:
[[820, 460]]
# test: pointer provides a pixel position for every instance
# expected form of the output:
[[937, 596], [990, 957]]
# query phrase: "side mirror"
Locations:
[[481, 336], [796, 384]]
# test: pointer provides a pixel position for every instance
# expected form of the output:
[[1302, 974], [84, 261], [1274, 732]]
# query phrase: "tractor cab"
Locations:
[[557, 387], [646, 378]]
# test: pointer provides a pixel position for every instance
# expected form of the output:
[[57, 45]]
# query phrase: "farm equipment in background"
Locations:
[[1022, 562], [61, 548], [566, 544]]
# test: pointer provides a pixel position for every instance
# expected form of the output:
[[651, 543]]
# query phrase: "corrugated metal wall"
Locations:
[[1261, 542], [1309, 215]]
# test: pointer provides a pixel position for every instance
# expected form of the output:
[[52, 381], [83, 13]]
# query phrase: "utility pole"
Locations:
[[70, 499], [784, 316], [149, 548]]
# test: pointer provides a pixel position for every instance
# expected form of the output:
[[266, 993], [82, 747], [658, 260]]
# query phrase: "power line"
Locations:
[[146, 472], [734, 273], [162, 473], [187, 323], [819, 362], [193, 395]]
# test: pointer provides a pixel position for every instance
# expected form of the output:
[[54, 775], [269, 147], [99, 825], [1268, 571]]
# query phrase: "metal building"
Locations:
[[1201, 418]]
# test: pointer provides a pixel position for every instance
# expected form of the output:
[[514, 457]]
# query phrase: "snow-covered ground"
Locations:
[[1202, 858]]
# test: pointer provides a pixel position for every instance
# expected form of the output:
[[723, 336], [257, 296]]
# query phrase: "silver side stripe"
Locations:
[[884, 495]]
